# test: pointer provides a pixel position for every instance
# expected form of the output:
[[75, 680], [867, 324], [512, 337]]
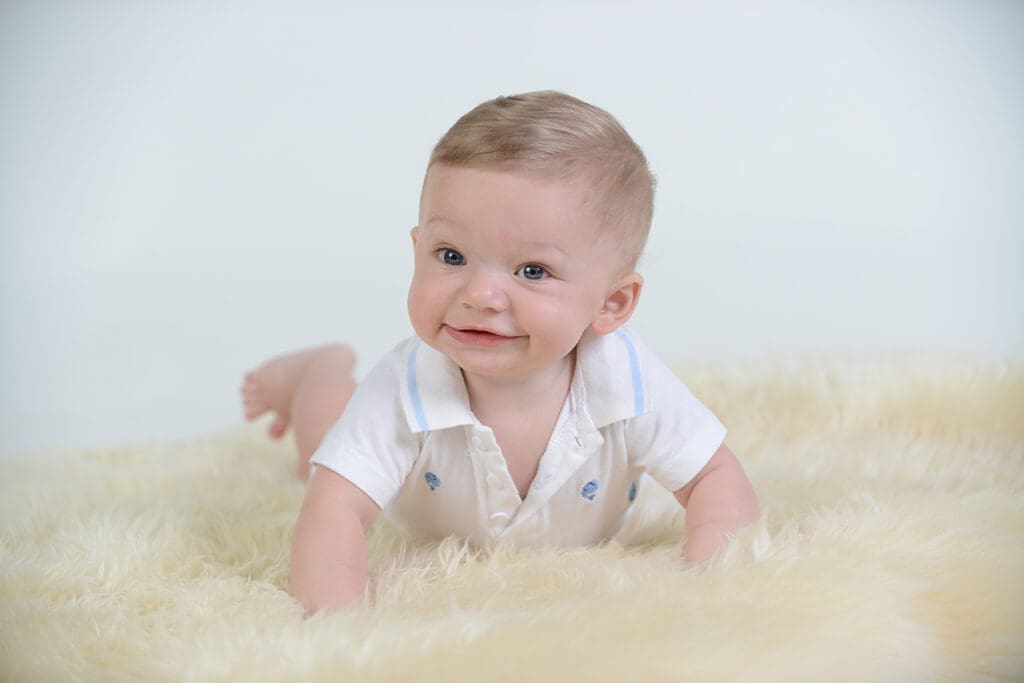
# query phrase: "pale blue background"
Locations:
[[188, 187]]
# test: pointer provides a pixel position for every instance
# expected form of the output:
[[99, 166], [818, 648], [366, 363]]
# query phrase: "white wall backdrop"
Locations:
[[186, 187]]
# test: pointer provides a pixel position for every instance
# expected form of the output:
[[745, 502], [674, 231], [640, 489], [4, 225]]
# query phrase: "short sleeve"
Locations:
[[371, 445], [675, 439]]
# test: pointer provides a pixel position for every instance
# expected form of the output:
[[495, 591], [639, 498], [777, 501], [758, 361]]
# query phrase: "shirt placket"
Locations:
[[500, 498], [574, 440]]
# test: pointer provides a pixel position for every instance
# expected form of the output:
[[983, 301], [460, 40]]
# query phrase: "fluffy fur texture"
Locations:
[[890, 549]]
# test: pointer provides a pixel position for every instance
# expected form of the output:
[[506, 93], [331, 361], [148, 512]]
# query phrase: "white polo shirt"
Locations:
[[409, 439]]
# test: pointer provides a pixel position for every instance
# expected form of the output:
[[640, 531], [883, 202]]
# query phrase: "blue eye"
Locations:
[[451, 257], [533, 272]]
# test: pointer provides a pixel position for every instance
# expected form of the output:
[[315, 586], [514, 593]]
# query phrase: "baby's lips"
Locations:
[[481, 330], [474, 337]]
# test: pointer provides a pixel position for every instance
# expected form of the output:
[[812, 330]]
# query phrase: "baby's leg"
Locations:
[[308, 390]]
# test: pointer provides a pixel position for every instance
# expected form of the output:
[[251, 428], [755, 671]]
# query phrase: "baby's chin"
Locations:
[[491, 364]]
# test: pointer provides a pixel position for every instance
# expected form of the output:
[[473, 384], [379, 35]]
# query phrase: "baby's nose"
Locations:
[[485, 291]]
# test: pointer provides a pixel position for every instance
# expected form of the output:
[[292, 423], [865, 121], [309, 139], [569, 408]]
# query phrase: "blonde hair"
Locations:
[[551, 133]]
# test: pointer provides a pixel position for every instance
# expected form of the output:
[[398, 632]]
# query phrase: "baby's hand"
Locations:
[[329, 566], [719, 501]]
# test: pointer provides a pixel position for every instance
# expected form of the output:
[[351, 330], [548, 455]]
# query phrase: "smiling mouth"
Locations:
[[476, 337]]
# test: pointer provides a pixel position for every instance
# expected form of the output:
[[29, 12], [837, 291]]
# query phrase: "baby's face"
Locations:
[[510, 270]]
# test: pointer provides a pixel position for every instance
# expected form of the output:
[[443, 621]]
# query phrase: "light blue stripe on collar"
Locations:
[[414, 390], [433, 391], [634, 368]]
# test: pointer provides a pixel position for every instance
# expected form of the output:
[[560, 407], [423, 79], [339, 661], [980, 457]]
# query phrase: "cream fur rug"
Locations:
[[890, 549]]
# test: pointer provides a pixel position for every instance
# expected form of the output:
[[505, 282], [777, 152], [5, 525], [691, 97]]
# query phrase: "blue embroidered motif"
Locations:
[[590, 490], [632, 492], [433, 481]]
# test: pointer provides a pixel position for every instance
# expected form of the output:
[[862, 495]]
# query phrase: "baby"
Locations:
[[523, 408]]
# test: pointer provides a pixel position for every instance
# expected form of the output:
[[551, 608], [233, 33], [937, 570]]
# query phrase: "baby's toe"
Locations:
[[278, 427], [253, 405]]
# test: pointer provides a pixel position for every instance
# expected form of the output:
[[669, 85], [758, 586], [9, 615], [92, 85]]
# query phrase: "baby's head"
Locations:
[[554, 136], [534, 212]]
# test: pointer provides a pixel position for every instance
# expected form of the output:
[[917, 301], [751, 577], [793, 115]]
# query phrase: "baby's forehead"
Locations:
[[504, 189], [573, 190]]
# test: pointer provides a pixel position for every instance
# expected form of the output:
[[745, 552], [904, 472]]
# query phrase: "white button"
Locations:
[[494, 481], [500, 517]]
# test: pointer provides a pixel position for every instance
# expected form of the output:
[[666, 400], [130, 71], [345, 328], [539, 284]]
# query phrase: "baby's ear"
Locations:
[[414, 233], [619, 304]]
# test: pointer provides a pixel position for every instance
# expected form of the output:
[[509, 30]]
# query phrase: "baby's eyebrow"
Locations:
[[437, 219], [544, 246]]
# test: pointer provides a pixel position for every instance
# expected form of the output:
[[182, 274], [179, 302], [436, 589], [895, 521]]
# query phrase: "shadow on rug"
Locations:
[[890, 549]]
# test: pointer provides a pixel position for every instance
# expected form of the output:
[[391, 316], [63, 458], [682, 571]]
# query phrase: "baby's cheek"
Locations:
[[418, 303], [561, 316]]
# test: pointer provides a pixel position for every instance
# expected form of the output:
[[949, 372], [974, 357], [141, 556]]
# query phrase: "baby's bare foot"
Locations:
[[271, 387]]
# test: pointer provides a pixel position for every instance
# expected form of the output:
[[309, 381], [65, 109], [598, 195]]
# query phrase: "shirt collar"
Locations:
[[611, 369], [609, 383], [433, 391]]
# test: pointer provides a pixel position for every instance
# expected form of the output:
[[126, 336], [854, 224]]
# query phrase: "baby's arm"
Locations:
[[719, 501], [329, 545]]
